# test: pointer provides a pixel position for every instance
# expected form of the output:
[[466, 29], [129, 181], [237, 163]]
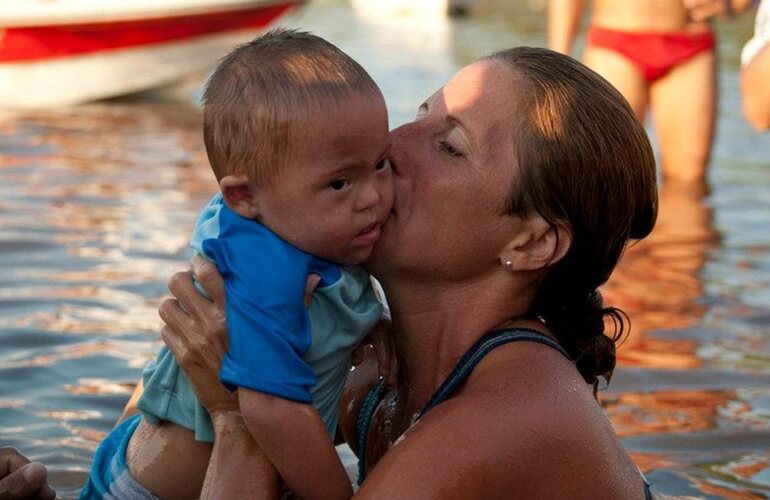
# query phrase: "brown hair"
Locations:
[[263, 89], [585, 164]]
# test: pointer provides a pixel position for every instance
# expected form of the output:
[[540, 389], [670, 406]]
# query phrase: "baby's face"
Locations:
[[331, 199]]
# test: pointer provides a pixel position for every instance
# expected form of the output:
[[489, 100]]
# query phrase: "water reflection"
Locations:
[[97, 202], [661, 284], [658, 282]]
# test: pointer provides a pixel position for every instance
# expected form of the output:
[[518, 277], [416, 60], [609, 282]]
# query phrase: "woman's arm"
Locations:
[[196, 333], [756, 98], [238, 469]]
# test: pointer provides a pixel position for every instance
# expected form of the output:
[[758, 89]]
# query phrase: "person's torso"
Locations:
[[645, 16]]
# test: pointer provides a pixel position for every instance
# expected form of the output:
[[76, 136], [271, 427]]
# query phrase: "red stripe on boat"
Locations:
[[46, 42]]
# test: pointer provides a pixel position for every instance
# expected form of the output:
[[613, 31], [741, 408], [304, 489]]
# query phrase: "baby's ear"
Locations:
[[240, 195]]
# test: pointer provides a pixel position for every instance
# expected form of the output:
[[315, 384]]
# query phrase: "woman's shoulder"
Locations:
[[532, 426], [497, 433]]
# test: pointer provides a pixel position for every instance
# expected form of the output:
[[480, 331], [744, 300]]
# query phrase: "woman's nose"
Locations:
[[401, 140]]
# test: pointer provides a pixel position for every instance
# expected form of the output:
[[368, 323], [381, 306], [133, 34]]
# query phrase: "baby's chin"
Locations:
[[358, 259]]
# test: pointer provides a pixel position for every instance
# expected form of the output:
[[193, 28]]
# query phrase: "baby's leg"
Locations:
[[167, 460]]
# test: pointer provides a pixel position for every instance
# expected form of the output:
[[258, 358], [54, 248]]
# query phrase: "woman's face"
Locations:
[[452, 168]]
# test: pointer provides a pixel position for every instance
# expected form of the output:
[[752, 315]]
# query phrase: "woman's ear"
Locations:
[[537, 246], [240, 195]]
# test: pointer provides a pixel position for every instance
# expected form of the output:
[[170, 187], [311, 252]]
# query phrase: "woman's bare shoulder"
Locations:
[[486, 441]]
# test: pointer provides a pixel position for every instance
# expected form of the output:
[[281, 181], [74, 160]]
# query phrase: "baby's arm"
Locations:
[[295, 439]]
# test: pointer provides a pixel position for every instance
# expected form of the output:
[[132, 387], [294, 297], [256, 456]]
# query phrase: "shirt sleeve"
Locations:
[[268, 323], [761, 36]]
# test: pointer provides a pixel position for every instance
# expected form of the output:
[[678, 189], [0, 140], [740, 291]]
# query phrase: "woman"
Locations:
[[517, 188]]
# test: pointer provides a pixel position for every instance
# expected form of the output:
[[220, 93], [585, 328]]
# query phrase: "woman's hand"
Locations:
[[703, 10], [385, 350], [196, 332]]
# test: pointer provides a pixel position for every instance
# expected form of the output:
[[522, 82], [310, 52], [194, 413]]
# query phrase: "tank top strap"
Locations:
[[459, 374], [365, 414], [475, 354]]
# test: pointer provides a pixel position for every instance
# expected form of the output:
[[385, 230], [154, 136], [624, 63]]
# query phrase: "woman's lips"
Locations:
[[369, 235]]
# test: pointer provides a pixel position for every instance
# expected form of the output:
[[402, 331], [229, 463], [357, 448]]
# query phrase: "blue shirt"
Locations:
[[275, 345]]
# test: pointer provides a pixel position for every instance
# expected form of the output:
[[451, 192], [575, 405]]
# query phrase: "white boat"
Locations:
[[63, 52]]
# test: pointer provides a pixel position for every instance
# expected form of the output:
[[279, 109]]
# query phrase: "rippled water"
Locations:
[[96, 203]]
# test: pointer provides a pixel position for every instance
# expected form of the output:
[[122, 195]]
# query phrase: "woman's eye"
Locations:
[[338, 184], [383, 165], [449, 149]]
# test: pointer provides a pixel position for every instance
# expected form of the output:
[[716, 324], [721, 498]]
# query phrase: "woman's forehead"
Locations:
[[483, 97], [485, 90]]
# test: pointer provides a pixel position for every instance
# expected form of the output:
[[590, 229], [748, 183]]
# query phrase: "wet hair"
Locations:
[[262, 92], [586, 165]]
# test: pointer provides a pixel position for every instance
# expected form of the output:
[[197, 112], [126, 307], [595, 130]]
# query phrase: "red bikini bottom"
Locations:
[[654, 54]]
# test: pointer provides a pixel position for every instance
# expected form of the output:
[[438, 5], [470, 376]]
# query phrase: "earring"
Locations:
[[508, 264]]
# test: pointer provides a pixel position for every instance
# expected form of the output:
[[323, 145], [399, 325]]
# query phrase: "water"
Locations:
[[97, 201]]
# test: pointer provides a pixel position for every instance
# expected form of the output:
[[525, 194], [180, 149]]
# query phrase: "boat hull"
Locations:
[[59, 65], [92, 76]]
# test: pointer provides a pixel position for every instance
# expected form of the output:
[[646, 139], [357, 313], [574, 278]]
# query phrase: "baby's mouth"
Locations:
[[370, 234], [368, 229]]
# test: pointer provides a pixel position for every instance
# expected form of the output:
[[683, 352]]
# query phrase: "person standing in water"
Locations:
[[661, 55]]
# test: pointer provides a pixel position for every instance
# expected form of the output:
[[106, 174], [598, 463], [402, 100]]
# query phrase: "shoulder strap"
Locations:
[[365, 415], [459, 374], [475, 354]]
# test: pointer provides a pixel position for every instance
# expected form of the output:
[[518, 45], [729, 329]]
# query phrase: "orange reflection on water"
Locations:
[[98, 319], [750, 471], [134, 354], [666, 411], [99, 386], [651, 461], [657, 282], [736, 488]]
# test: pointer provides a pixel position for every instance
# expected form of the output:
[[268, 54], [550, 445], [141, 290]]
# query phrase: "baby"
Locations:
[[297, 135]]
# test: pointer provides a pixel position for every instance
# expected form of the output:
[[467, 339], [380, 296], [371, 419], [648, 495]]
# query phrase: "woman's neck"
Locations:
[[434, 324]]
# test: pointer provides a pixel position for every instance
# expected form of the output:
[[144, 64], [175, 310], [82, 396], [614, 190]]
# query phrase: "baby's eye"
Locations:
[[449, 149], [338, 184], [383, 165]]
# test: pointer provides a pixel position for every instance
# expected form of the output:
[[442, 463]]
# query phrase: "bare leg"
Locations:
[[167, 460], [684, 109], [621, 73]]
